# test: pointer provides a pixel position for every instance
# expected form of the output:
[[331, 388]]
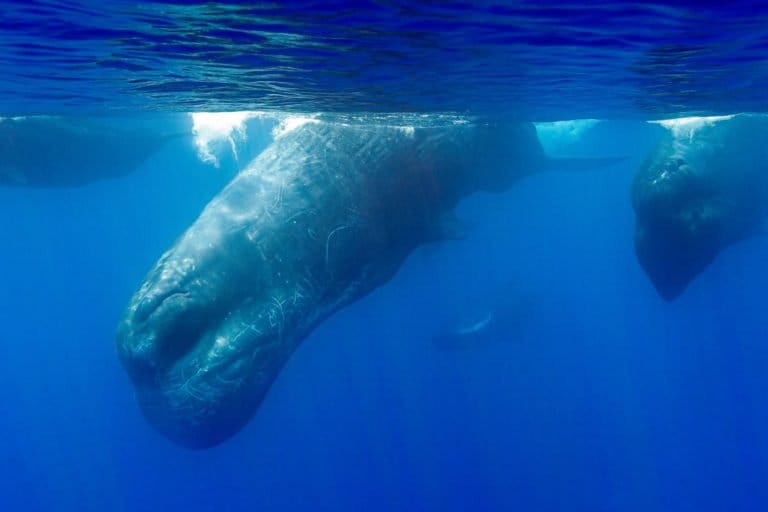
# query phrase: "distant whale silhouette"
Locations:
[[700, 191], [322, 217], [51, 151], [497, 317]]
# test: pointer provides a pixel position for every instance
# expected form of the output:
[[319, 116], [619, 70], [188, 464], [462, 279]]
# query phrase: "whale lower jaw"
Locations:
[[201, 395], [207, 396], [197, 418]]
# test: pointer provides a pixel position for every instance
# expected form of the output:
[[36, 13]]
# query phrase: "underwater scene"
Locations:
[[353, 256]]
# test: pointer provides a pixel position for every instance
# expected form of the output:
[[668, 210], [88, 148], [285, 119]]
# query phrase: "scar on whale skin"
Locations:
[[322, 217]]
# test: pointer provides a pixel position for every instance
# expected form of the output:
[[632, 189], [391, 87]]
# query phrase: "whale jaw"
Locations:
[[193, 418], [181, 343], [203, 394]]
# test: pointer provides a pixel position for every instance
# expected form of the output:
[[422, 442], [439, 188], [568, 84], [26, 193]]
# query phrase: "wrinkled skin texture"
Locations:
[[322, 217], [697, 194], [83, 149]]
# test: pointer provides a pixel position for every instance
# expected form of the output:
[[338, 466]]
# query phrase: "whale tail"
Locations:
[[581, 164]]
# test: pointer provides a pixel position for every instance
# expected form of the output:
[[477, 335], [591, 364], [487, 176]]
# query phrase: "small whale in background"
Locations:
[[485, 321], [51, 151], [702, 189], [323, 216]]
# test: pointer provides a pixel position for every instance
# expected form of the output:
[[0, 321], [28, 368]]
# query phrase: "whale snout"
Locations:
[[180, 383], [187, 348], [156, 331]]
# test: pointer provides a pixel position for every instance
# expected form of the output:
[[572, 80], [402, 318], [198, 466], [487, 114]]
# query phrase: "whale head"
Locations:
[[197, 341], [680, 228]]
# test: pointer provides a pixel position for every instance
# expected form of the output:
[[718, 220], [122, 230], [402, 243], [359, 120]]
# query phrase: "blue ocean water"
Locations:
[[602, 396]]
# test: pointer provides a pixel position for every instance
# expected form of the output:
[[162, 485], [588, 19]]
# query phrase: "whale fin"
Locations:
[[582, 164]]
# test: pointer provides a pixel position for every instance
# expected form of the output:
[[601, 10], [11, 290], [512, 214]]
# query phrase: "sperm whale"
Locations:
[[702, 189], [322, 217]]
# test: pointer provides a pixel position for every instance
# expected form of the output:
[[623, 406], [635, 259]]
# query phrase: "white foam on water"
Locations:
[[686, 127], [22, 118], [557, 136], [209, 128], [291, 123], [570, 129]]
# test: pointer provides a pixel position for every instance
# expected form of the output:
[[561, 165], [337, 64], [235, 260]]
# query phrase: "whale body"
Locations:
[[700, 191], [322, 217], [52, 151]]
